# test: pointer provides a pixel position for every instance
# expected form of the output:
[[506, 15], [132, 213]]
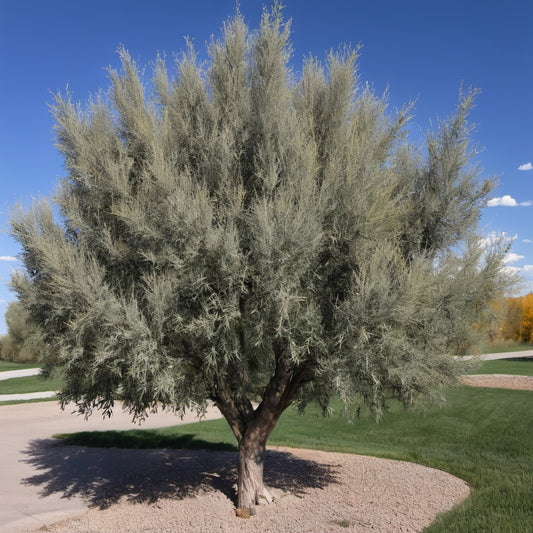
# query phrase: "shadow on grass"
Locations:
[[142, 440], [103, 476]]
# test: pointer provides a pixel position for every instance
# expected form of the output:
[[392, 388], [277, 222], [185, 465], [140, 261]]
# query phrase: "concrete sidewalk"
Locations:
[[493, 356], [8, 374], [27, 396], [27, 501], [12, 374]]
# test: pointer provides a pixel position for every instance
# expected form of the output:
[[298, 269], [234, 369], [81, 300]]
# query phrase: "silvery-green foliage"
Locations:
[[228, 223]]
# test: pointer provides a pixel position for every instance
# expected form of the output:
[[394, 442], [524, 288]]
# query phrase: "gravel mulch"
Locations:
[[500, 381], [316, 492]]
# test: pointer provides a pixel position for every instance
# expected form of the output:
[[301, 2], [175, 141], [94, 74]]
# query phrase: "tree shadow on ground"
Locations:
[[103, 476]]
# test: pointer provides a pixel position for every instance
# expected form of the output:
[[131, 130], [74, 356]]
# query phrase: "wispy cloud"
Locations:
[[526, 269], [506, 201], [511, 257], [511, 270], [8, 258], [495, 237], [526, 166], [527, 241]]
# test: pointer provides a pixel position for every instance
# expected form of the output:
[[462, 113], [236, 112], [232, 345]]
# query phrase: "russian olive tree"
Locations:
[[239, 234]]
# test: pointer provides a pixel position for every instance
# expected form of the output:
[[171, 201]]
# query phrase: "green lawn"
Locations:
[[505, 346], [9, 365], [38, 400], [522, 366], [25, 384], [29, 384], [483, 436]]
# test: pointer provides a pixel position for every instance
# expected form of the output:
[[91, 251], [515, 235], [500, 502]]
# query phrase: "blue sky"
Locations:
[[419, 49]]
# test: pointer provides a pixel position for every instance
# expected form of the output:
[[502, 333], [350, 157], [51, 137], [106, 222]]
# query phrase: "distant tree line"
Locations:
[[22, 342]]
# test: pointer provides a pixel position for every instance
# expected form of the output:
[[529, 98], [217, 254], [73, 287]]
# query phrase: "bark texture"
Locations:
[[251, 487]]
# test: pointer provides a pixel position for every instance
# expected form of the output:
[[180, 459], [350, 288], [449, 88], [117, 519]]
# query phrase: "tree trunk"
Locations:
[[250, 479], [252, 427]]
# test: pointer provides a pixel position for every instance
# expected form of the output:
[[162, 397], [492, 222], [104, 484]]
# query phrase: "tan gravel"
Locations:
[[316, 492], [500, 381]]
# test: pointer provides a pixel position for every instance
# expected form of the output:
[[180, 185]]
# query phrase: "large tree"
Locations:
[[241, 235]]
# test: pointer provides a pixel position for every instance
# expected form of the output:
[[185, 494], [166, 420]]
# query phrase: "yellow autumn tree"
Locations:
[[512, 327], [527, 318]]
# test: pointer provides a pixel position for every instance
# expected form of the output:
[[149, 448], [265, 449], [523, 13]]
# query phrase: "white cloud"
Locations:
[[507, 201], [526, 166], [526, 269], [511, 257], [495, 237], [511, 270], [8, 258], [528, 241]]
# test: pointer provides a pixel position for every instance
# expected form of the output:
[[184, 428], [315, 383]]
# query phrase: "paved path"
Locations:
[[31, 495], [492, 356], [8, 374], [27, 396]]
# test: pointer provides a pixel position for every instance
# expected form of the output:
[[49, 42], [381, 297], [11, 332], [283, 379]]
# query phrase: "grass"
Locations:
[[36, 400], [165, 438], [25, 384], [10, 365], [505, 346], [482, 436], [29, 384], [521, 366]]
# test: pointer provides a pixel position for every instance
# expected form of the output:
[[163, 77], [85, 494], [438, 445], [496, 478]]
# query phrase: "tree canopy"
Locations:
[[238, 233]]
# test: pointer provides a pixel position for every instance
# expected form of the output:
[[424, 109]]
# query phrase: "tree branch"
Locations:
[[279, 391], [298, 379], [236, 408]]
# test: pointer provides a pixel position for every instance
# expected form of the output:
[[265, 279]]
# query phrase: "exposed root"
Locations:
[[264, 496]]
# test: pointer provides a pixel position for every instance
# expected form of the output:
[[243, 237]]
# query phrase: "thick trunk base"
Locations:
[[251, 489]]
